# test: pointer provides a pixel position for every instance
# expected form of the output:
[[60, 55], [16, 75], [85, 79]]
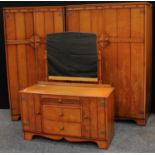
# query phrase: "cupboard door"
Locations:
[[123, 56], [31, 113], [25, 40], [20, 53], [46, 21], [124, 59], [93, 118]]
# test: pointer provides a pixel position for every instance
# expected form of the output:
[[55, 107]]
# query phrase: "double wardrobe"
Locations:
[[125, 34]]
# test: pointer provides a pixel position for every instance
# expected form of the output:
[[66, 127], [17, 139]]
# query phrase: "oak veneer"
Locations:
[[75, 113]]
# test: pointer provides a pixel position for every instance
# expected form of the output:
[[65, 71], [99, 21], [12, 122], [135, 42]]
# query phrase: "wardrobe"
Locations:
[[124, 29]]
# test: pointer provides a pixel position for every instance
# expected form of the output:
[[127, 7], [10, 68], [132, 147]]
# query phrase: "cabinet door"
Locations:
[[121, 28], [93, 118], [31, 113], [25, 39], [46, 21], [129, 61], [20, 54]]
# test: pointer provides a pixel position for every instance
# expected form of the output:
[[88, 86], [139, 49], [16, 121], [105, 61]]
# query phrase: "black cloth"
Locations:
[[72, 54]]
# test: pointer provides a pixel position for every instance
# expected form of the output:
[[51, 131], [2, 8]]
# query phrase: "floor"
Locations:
[[128, 138]]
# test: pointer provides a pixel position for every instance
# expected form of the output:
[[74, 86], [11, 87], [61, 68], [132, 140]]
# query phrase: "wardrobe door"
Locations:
[[103, 21], [121, 27], [20, 54], [46, 20], [25, 39], [124, 59]]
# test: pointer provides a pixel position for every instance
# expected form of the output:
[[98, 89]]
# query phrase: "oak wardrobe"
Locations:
[[125, 30]]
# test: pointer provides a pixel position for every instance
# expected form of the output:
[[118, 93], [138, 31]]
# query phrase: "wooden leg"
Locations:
[[28, 135], [141, 122], [15, 117], [102, 144]]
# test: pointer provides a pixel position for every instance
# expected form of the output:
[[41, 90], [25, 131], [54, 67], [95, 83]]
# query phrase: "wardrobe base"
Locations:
[[15, 117], [140, 122], [100, 143]]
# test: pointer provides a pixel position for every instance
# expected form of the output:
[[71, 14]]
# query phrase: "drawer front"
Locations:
[[60, 100], [61, 128], [61, 113]]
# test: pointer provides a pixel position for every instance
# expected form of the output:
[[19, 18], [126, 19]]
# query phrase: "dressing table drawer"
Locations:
[[60, 100], [61, 128], [61, 113]]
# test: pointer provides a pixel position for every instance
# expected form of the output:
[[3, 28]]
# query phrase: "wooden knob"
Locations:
[[38, 113], [60, 100], [86, 117], [62, 128], [61, 114]]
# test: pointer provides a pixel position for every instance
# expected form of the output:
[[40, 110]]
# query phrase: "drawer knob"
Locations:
[[86, 117], [62, 128], [38, 113], [61, 114], [60, 100]]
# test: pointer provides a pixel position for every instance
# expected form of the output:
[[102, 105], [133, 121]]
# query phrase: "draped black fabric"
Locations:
[[72, 54]]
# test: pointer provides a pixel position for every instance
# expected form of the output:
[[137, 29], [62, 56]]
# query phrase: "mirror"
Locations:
[[72, 56]]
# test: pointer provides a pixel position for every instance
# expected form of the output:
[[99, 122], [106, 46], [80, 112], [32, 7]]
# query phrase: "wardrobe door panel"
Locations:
[[30, 53], [21, 50], [137, 62], [58, 20], [97, 21], [109, 69], [40, 49], [123, 62], [72, 21], [85, 21], [49, 26]]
